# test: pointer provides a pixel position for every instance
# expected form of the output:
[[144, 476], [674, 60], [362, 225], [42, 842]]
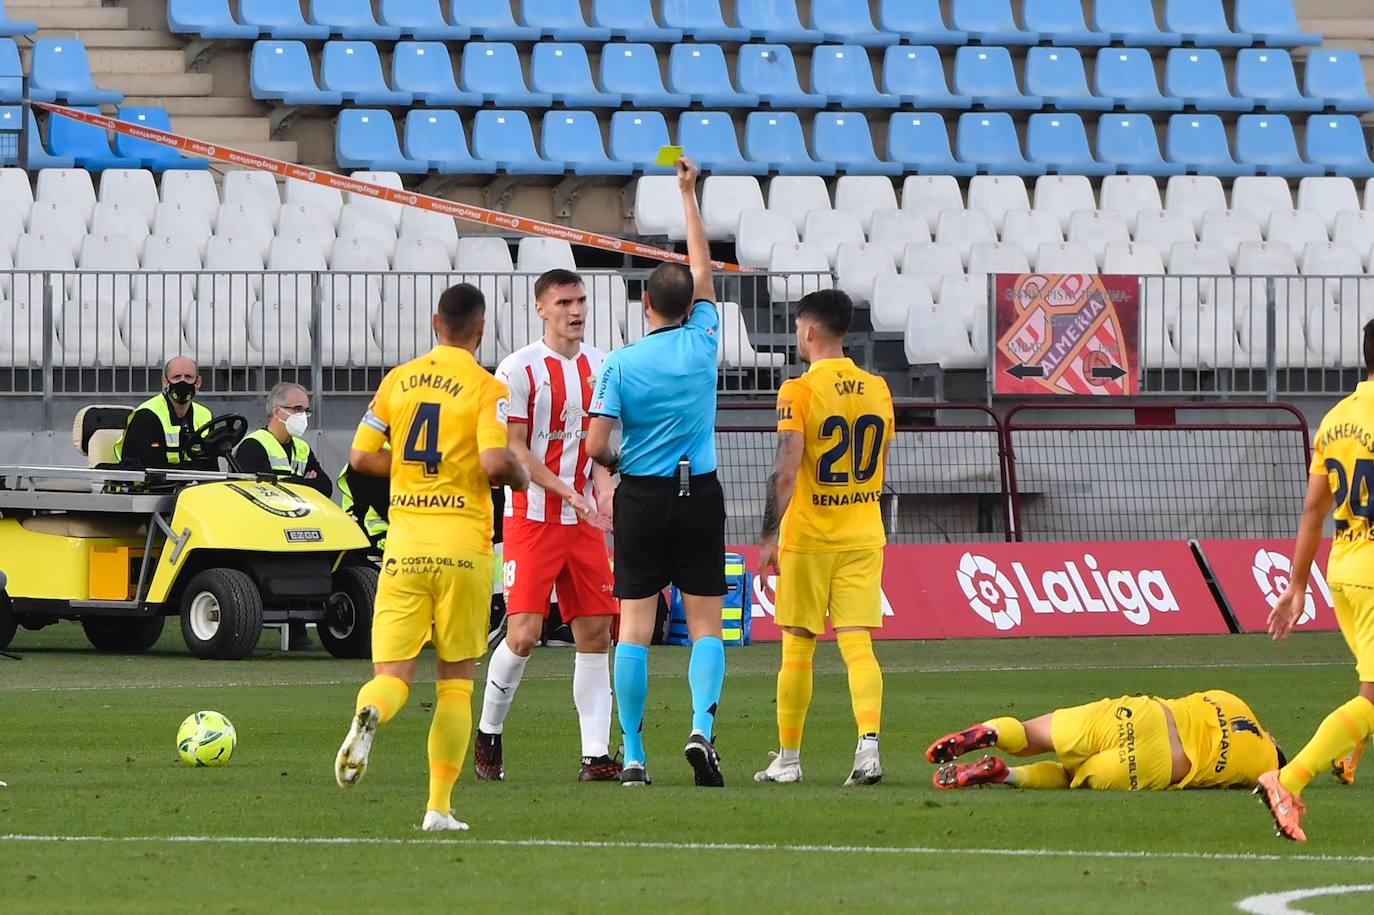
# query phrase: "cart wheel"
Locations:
[[124, 635], [346, 629], [9, 623], [221, 615]]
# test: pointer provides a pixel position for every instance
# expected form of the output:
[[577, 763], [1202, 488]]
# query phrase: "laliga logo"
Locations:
[[1273, 571], [989, 592], [995, 598]]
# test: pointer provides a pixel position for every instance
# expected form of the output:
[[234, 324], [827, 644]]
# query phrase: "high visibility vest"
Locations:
[[171, 426], [293, 464], [373, 524]]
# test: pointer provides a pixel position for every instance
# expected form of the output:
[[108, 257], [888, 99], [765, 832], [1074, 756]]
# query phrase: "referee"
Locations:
[[669, 508]]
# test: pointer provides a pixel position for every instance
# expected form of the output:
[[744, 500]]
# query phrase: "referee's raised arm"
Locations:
[[698, 249]]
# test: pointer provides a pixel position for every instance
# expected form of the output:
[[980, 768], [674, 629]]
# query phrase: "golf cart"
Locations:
[[121, 550]]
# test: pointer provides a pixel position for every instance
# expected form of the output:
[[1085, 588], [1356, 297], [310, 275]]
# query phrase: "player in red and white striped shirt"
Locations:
[[555, 533]]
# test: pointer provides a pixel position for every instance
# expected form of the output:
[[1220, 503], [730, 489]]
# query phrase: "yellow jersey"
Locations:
[[1223, 739], [1343, 452], [845, 417], [438, 413]]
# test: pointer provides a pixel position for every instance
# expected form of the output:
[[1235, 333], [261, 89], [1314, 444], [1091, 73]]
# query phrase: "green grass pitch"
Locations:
[[86, 743]]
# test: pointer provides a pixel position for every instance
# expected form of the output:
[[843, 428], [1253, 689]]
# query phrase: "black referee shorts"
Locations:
[[662, 538]]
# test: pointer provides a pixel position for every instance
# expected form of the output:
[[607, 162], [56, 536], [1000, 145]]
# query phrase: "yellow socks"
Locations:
[[1045, 774], [865, 679], [1344, 728], [1011, 734], [385, 693], [794, 689], [448, 740]]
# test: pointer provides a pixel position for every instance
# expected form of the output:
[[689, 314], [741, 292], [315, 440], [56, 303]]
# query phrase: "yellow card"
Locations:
[[668, 156]]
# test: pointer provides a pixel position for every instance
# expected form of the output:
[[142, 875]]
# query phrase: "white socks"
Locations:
[[503, 676], [592, 695]]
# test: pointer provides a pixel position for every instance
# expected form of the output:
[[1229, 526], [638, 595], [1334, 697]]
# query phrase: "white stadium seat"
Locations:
[[995, 194], [864, 195], [116, 218], [607, 300], [305, 220], [893, 230], [1193, 196], [327, 200], [59, 219], [759, 231], [936, 335], [893, 297], [859, 265], [417, 223], [482, 254], [217, 327], [931, 195], [132, 187], [828, 229], [356, 221], [255, 189], [1229, 229], [801, 268], [248, 223], [11, 227], [1260, 195], [72, 185], [966, 296], [1296, 228], [385, 208], [1356, 227], [736, 350], [1161, 230], [1061, 196], [1130, 195], [116, 280], [1327, 197], [1068, 257], [16, 191], [795, 196], [537, 255], [1029, 229], [185, 221], [153, 333], [1274, 262], [723, 199], [192, 188], [994, 257], [931, 262], [279, 328], [1095, 229], [963, 229], [658, 207]]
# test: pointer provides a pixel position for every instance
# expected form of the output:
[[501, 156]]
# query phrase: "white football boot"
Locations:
[[351, 762], [780, 771], [867, 769], [441, 822]]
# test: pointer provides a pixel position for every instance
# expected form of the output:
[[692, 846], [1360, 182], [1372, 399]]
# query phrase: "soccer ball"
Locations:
[[206, 739]]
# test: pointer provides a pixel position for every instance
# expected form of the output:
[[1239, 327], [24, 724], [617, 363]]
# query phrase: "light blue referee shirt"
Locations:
[[662, 388]]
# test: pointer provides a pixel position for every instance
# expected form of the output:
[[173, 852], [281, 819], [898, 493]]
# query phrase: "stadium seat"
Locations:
[[796, 270], [184, 221], [848, 23], [1193, 196], [193, 189], [60, 72], [632, 70], [864, 195], [1266, 76], [357, 221], [492, 69], [827, 229], [931, 195], [1197, 77], [775, 138], [963, 229], [433, 227], [859, 266], [709, 138], [152, 155], [366, 138], [893, 230], [1356, 227], [437, 138], [633, 20], [1127, 258], [247, 224], [916, 77], [1095, 229], [354, 70], [301, 220], [636, 137], [1336, 79], [328, 200], [1056, 75], [1335, 144], [351, 19], [575, 137], [1327, 197], [37, 252], [1127, 77], [490, 20], [758, 232], [349, 299], [930, 263], [1065, 257], [73, 185], [1340, 264], [1266, 141], [701, 19], [844, 74], [422, 20], [1229, 229], [15, 27], [536, 254], [986, 75], [768, 71], [1203, 23], [1198, 143], [1060, 196], [1028, 229], [281, 71], [561, 20], [736, 351], [794, 196], [987, 140], [485, 254], [563, 71], [87, 145], [918, 22], [61, 221], [1132, 23], [843, 139], [425, 70], [281, 21], [122, 219], [11, 72], [1296, 228], [995, 195], [723, 199], [132, 187], [39, 157], [1261, 195], [698, 70], [919, 142], [989, 22], [1060, 22], [965, 299], [1273, 23], [1129, 195], [216, 327], [505, 137], [936, 335], [203, 18], [1059, 142], [1272, 264], [987, 258]]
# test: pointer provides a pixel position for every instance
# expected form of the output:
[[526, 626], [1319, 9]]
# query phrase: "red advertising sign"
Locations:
[[1253, 573], [1067, 334]]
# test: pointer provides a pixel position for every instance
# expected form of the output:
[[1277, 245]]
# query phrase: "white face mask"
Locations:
[[296, 424]]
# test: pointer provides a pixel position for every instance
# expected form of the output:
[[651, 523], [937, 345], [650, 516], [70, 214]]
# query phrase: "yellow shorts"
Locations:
[[847, 586], [431, 592], [1114, 744], [1355, 616]]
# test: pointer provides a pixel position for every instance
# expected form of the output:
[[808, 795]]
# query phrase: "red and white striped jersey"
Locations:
[[552, 395]]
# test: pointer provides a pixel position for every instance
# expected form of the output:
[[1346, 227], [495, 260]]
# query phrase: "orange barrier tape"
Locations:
[[381, 192]]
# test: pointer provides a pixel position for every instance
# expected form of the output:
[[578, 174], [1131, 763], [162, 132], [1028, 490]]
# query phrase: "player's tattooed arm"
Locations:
[[782, 481]]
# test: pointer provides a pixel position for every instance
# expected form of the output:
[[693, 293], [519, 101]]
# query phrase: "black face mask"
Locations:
[[182, 392]]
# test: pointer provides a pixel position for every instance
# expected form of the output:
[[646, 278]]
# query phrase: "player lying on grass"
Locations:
[[1133, 743]]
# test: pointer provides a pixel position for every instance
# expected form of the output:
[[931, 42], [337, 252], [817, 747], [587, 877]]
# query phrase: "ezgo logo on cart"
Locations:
[[1273, 571], [1070, 588]]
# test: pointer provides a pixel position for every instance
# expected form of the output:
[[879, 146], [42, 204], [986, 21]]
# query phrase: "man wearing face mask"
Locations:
[[161, 430]]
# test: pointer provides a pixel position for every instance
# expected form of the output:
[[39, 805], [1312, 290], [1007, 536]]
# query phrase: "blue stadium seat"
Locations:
[[918, 22], [1061, 23], [1266, 141], [11, 72], [354, 69], [492, 68], [701, 19], [1127, 77], [1059, 142], [1337, 79], [1336, 144], [39, 156], [919, 142], [1057, 76], [59, 72], [632, 20], [365, 138], [768, 71], [989, 22], [206, 18], [699, 71], [916, 76], [775, 138], [351, 19], [1203, 23], [1273, 23], [986, 75], [847, 22], [1196, 76], [1198, 143], [561, 20], [505, 137], [636, 138], [281, 71], [85, 144], [437, 138], [709, 138], [1132, 23], [562, 70], [425, 70], [152, 155], [988, 140], [844, 74], [575, 137], [282, 21], [632, 70], [1130, 144], [15, 27], [843, 139], [775, 21], [1266, 76], [491, 20], [422, 20]]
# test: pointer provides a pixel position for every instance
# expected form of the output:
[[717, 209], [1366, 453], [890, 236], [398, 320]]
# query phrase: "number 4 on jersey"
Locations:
[[422, 443]]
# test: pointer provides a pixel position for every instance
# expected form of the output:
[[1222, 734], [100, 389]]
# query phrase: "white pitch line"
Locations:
[[593, 844], [1277, 903]]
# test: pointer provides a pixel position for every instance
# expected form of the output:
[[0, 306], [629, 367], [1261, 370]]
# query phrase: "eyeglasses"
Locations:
[[297, 409]]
